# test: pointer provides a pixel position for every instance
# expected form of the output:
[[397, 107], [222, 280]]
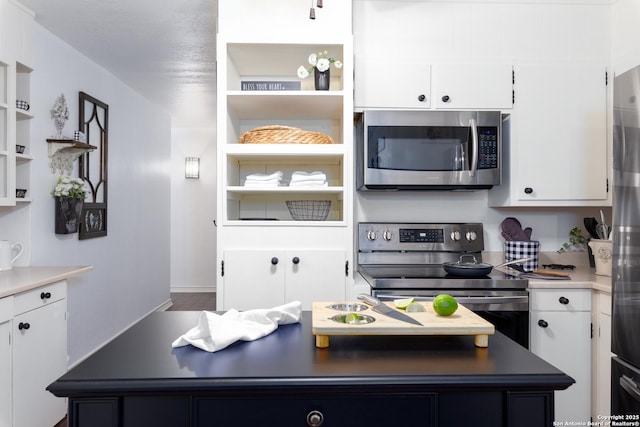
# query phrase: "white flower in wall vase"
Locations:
[[60, 114]]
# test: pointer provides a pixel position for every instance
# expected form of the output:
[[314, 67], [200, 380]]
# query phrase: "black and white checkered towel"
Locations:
[[22, 105]]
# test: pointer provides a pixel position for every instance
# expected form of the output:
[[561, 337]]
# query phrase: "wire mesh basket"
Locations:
[[309, 210]]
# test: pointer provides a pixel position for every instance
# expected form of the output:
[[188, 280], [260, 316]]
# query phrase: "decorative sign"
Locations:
[[270, 85]]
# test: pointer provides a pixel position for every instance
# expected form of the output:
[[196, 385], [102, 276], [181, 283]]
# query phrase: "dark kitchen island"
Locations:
[[284, 380]]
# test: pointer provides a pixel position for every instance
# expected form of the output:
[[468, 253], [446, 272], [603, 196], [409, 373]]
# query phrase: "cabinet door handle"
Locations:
[[295, 260], [274, 260], [446, 98], [563, 300], [421, 98], [23, 326], [543, 323], [528, 190]]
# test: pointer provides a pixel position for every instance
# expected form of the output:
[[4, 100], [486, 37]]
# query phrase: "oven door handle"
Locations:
[[465, 300], [493, 300]]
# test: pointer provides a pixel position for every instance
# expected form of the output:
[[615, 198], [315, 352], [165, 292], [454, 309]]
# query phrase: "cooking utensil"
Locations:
[[474, 268], [590, 225], [602, 229], [379, 307]]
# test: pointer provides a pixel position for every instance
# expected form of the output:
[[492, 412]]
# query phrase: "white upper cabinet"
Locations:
[[395, 84], [477, 86], [557, 151], [421, 85]]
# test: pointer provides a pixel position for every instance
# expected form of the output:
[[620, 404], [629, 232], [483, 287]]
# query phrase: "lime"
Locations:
[[415, 307], [445, 305], [352, 318], [402, 303]]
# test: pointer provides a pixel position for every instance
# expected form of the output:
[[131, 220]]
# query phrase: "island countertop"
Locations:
[[139, 377]]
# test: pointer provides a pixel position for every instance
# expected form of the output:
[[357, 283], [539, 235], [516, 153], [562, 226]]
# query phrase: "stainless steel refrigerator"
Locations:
[[625, 366]]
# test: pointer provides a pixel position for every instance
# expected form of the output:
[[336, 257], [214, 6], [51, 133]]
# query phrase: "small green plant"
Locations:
[[577, 242]]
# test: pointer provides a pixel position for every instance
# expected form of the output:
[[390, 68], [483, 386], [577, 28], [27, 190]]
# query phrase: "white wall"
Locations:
[[193, 209], [131, 264], [448, 31]]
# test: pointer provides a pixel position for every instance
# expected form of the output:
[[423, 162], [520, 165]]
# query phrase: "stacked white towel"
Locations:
[[308, 179], [263, 179]]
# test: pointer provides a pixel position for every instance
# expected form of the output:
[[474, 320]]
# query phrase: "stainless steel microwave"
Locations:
[[428, 150]]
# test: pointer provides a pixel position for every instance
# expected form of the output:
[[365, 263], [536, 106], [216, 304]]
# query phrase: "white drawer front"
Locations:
[[6, 309], [38, 297], [561, 299]]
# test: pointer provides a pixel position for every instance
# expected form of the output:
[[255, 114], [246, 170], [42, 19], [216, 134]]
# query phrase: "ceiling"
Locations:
[[164, 49]]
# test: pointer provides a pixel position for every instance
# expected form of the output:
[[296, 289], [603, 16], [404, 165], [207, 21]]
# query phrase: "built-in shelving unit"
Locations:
[[266, 257], [307, 109]]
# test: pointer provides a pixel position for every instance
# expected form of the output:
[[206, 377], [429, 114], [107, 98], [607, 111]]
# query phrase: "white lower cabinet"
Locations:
[[602, 351], [39, 334], [6, 313], [560, 333], [269, 277]]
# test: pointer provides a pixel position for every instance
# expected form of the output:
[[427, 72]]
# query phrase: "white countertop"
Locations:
[[20, 279], [581, 278]]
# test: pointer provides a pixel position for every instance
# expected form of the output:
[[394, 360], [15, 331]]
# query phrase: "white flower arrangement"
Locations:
[[319, 60], [73, 188]]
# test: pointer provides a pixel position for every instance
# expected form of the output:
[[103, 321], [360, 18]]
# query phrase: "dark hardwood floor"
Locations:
[[182, 301], [193, 301]]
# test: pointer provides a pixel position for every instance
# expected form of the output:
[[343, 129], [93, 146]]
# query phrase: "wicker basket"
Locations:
[[309, 210], [283, 135]]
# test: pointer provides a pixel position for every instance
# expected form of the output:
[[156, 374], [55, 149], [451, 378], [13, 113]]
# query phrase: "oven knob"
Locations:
[[387, 235], [471, 236], [455, 236], [371, 235]]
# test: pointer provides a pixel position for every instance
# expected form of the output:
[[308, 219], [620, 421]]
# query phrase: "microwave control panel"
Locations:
[[487, 147]]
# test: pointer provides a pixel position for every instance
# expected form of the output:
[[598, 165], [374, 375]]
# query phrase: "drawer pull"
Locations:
[[315, 419], [563, 300], [543, 323], [45, 295], [274, 260], [295, 260], [23, 326]]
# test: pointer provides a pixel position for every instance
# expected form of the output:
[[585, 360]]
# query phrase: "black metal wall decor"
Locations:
[[94, 122]]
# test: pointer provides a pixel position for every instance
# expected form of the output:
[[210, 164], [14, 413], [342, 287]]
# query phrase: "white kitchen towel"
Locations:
[[299, 176], [309, 184], [270, 182], [265, 177], [215, 332]]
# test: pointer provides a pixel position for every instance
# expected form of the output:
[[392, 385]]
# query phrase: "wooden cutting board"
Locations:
[[462, 322]]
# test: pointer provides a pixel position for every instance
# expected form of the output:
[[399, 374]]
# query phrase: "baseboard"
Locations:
[[193, 289]]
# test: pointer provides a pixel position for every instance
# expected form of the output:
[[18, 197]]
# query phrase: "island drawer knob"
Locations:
[[295, 260], [563, 300], [45, 295], [315, 419], [421, 98], [446, 98], [274, 260], [23, 326], [543, 323]]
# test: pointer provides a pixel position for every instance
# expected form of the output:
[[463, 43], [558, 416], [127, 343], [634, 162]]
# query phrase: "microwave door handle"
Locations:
[[474, 147]]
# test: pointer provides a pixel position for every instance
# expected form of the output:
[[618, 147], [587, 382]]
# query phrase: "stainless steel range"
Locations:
[[401, 260]]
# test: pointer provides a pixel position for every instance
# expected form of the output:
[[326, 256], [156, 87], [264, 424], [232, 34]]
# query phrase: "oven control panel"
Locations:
[[381, 236]]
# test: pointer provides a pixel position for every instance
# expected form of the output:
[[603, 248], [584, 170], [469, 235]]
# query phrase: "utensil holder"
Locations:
[[602, 251], [515, 249]]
